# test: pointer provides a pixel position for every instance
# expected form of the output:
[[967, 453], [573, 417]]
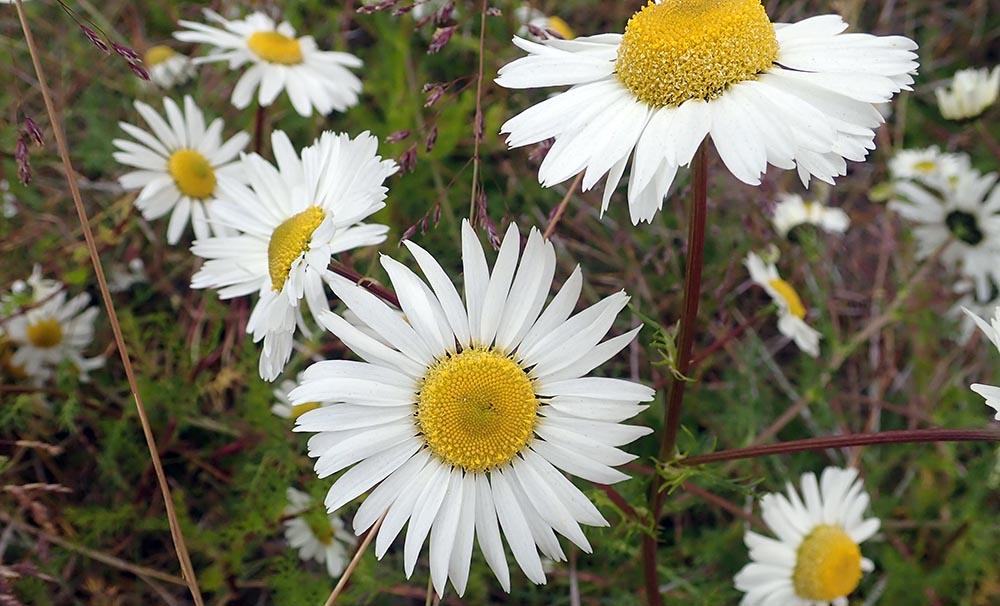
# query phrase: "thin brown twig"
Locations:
[[721, 503], [900, 436], [477, 126], [354, 561], [366, 283], [180, 547], [562, 206]]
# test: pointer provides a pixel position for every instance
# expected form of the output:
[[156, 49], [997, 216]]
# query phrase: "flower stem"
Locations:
[[260, 119], [477, 125], [902, 436], [367, 283], [685, 339], [176, 533], [692, 290]]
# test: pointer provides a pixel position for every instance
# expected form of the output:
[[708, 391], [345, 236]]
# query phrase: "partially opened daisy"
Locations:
[[815, 559], [969, 299], [972, 91], [962, 217], [791, 311], [792, 211], [167, 68], [183, 166], [49, 330], [296, 217], [992, 331], [929, 166], [796, 95], [464, 419], [313, 78], [315, 534], [530, 17]]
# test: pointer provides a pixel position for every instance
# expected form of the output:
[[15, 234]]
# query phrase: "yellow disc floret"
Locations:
[[827, 565], [789, 296], [288, 241], [694, 49], [275, 48], [45, 333], [476, 409], [157, 55], [192, 173]]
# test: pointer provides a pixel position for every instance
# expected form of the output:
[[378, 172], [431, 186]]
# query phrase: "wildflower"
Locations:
[[317, 537], [929, 166], [167, 67], [791, 311], [313, 78], [792, 211], [530, 17], [971, 92], [796, 95], [183, 166], [50, 330], [816, 558], [297, 217], [467, 417], [962, 218], [992, 331]]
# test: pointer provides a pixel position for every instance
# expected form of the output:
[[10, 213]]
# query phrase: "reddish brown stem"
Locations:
[[902, 436]]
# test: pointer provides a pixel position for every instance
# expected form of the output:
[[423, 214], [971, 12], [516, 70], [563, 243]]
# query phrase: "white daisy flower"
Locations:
[[529, 16], [283, 407], [963, 218], [313, 78], [50, 330], [929, 166], [971, 92], [992, 332], [791, 311], [816, 559], [167, 68], [792, 211], [296, 218], [316, 535], [797, 95], [466, 418], [183, 166]]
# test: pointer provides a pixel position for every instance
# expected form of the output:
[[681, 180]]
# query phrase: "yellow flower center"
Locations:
[[561, 27], [476, 409], [925, 167], [158, 54], [45, 333], [789, 296], [301, 409], [192, 173], [275, 48], [694, 49], [289, 241], [827, 565], [319, 524]]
